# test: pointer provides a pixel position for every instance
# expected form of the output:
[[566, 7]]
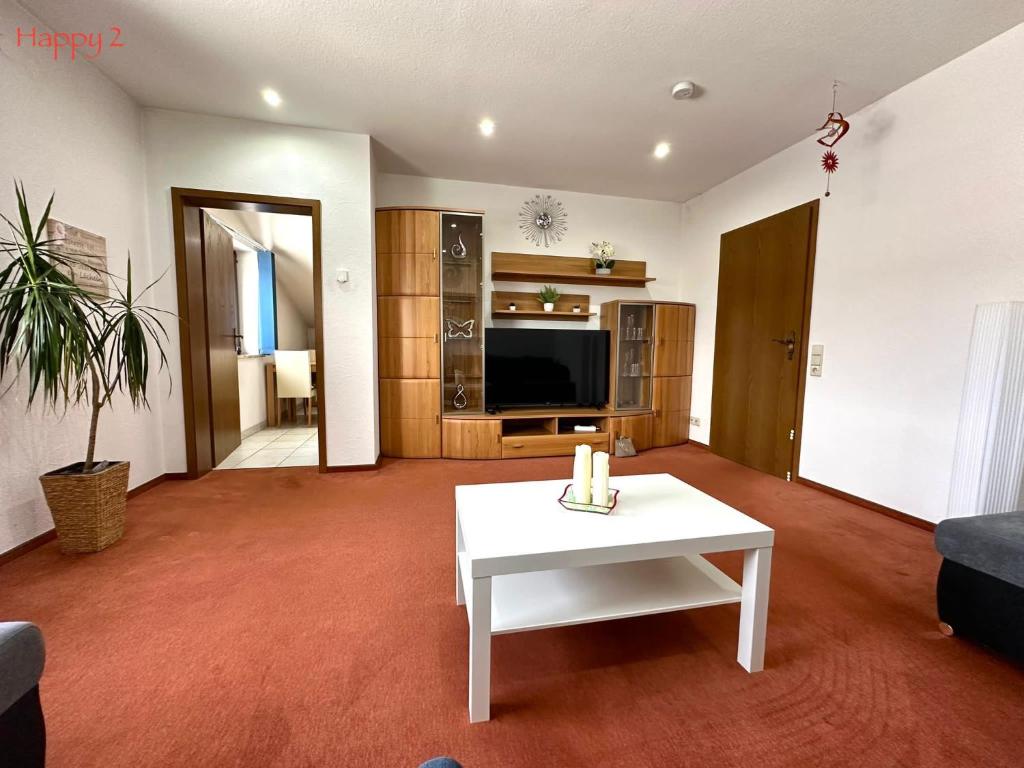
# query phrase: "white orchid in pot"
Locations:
[[604, 257], [72, 347]]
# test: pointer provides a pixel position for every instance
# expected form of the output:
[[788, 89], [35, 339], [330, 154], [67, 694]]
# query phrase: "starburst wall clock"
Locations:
[[542, 220]]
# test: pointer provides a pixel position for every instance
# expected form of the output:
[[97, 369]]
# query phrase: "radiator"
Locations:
[[988, 462]]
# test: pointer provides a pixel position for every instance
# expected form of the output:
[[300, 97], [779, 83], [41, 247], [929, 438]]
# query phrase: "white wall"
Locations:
[[291, 324], [65, 128], [247, 272], [925, 221], [188, 150], [641, 230], [252, 392]]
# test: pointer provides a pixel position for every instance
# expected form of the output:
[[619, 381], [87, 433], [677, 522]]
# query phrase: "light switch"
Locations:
[[817, 357], [342, 275]]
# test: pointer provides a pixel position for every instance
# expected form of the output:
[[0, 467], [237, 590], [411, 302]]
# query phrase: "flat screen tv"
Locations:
[[545, 367]]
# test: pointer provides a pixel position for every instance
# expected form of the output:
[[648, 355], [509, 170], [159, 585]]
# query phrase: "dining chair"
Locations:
[[294, 374]]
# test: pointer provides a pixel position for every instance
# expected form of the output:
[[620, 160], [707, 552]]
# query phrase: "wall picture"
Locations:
[[86, 252]]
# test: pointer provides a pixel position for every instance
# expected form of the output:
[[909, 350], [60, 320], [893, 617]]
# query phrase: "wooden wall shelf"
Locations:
[[539, 268], [528, 307]]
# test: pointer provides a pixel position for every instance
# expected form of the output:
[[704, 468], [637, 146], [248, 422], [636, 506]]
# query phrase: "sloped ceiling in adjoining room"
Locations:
[[580, 91], [291, 240]]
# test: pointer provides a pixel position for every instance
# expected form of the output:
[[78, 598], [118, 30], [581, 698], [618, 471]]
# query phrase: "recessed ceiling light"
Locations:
[[661, 149], [272, 97], [487, 126]]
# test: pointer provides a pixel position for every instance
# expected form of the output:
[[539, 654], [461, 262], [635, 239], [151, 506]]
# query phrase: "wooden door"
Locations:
[[764, 287], [221, 331]]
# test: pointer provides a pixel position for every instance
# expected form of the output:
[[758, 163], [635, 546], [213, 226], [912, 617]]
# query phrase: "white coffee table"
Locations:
[[523, 562]]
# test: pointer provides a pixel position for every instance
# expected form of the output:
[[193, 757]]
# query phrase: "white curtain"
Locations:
[[988, 463]]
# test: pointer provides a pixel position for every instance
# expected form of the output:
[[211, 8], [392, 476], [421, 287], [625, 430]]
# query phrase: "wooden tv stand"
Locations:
[[529, 433]]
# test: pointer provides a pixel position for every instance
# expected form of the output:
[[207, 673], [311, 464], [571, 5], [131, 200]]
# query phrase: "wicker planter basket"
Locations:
[[88, 510]]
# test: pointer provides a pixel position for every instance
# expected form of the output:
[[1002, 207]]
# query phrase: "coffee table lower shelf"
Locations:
[[542, 599]]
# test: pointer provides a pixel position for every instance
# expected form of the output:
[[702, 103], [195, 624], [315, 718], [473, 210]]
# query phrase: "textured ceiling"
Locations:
[[578, 88]]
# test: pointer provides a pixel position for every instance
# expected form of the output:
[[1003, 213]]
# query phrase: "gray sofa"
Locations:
[[980, 591], [22, 729]]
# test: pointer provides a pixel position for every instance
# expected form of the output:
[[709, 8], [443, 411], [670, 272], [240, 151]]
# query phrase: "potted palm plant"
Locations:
[[74, 348], [547, 296]]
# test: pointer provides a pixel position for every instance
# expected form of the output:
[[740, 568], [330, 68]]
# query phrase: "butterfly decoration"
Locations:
[[458, 329], [835, 127]]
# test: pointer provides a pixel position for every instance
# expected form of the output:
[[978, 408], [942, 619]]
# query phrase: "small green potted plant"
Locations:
[[604, 257], [547, 296], [72, 347]]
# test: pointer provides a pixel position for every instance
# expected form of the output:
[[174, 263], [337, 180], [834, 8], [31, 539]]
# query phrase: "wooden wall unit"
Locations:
[[471, 438], [528, 307], [572, 270], [639, 429], [662, 352], [408, 332], [412, 290], [631, 328], [524, 433], [673, 369]]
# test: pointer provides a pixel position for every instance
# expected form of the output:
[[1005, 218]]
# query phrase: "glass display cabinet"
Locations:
[[632, 326], [462, 327]]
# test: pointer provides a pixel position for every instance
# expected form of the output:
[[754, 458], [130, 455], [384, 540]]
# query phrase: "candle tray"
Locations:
[[569, 502]]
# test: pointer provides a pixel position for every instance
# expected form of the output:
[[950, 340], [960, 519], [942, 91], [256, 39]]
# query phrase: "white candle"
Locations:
[[600, 495], [581, 474]]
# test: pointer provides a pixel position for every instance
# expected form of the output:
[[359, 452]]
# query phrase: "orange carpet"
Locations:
[[284, 618]]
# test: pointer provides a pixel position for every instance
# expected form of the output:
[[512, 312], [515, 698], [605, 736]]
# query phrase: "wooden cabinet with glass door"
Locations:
[[650, 366], [462, 275], [630, 362]]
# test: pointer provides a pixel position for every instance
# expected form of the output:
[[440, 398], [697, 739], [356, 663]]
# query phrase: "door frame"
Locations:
[[182, 198], [804, 347], [805, 337]]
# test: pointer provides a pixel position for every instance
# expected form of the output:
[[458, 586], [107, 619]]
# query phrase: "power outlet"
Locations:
[[695, 421]]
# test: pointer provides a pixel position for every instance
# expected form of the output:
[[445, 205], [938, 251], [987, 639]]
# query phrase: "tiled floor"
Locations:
[[288, 446]]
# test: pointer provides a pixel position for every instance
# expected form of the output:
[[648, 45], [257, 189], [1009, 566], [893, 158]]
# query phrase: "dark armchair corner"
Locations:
[[22, 730], [980, 590]]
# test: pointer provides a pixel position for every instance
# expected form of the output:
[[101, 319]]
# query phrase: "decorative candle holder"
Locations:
[[568, 501]]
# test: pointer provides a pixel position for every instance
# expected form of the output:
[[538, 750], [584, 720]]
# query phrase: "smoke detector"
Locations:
[[683, 90]]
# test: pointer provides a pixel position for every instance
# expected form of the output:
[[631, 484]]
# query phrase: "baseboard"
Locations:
[[699, 444], [47, 536], [874, 507], [28, 546], [151, 484], [356, 467], [254, 429], [895, 514]]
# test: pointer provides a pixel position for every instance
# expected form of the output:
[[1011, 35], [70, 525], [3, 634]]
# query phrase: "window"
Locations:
[[267, 303], [257, 310]]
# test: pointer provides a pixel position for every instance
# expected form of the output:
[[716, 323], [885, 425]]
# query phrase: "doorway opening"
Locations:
[[249, 296], [765, 279]]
